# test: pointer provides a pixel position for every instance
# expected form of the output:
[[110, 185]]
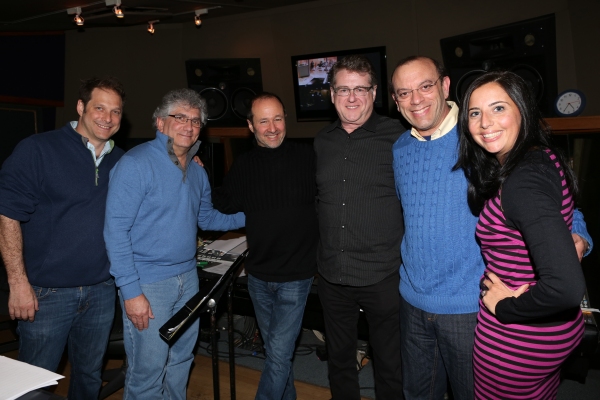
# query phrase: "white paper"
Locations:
[[240, 248], [18, 378], [590, 309], [226, 245]]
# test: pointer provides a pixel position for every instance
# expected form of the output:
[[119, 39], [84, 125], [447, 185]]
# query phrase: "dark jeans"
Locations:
[[436, 347], [279, 307], [80, 317], [341, 307]]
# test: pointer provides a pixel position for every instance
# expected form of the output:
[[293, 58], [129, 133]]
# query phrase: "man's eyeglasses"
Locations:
[[182, 119], [425, 88], [358, 91]]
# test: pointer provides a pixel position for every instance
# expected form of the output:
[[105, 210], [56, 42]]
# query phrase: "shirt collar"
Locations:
[[168, 142], [370, 125], [268, 150], [108, 145], [446, 126]]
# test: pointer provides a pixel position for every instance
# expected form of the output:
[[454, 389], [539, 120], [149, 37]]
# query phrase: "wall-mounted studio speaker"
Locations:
[[528, 48], [227, 85]]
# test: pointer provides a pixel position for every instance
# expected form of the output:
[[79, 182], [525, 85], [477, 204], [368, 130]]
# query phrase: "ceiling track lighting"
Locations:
[[118, 12], [151, 26], [117, 7], [78, 18], [198, 13]]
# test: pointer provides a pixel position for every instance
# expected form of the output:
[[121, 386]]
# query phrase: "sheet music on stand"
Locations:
[[206, 298], [217, 256]]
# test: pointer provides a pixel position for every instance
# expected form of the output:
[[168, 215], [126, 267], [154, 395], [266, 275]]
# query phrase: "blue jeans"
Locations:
[[279, 307], [155, 370], [435, 348], [81, 317]]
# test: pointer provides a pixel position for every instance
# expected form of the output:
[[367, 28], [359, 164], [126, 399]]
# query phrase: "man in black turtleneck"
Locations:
[[274, 185]]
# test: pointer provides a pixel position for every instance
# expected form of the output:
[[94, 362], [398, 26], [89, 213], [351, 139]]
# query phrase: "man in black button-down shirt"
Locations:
[[361, 227]]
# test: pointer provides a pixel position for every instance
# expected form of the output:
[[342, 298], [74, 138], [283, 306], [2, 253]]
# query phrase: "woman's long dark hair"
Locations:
[[483, 171]]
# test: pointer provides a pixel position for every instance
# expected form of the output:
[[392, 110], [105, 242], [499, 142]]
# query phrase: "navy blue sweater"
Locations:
[[49, 184]]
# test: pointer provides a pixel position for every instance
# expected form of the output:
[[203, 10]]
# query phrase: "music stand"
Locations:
[[207, 300]]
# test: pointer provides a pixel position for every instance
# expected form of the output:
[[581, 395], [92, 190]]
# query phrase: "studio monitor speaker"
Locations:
[[528, 48], [227, 85]]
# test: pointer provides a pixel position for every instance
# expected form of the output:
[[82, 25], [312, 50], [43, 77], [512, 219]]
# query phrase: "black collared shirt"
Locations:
[[360, 216]]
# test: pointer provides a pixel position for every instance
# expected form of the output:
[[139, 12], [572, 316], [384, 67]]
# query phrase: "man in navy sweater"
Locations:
[[52, 199], [156, 201], [274, 185]]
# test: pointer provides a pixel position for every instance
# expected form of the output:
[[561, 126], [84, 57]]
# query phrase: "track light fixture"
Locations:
[[78, 18], [117, 7], [198, 13], [151, 26], [118, 12]]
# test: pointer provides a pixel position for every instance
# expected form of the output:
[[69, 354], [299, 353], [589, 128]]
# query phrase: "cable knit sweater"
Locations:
[[442, 263]]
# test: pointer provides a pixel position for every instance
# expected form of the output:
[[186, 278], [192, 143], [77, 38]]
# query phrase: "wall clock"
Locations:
[[569, 103]]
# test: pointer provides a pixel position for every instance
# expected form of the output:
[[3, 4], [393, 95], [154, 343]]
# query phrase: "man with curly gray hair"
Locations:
[[157, 199]]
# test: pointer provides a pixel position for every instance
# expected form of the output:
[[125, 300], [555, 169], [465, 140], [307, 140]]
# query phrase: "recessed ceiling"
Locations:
[[51, 15]]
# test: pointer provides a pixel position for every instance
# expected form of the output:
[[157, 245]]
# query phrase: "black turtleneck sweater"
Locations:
[[276, 190]]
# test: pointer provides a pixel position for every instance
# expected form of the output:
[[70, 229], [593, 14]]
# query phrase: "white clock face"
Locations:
[[568, 103]]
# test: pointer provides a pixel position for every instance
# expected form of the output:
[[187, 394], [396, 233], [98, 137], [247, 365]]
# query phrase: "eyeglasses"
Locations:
[[358, 91], [425, 88], [182, 119]]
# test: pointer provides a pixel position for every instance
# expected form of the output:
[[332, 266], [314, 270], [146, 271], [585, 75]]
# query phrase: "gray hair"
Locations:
[[180, 98]]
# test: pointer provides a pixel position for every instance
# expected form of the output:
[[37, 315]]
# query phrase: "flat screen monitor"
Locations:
[[312, 90]]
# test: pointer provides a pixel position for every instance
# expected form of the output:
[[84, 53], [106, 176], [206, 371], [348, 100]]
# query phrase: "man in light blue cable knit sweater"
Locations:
[[157, 199], [441, 260]]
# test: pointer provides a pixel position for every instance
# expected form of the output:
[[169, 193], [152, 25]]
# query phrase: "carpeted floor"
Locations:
[[308, 368]]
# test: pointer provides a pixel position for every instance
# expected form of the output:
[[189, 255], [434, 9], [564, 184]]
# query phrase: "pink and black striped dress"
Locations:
[[525, 237]]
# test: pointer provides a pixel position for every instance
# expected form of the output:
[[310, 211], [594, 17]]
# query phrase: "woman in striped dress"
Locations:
[[529, 319]]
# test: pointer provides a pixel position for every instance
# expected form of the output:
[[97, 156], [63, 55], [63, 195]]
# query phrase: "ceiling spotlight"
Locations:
[[118, 12], [117, 7], [200, 12], [78, 18], [151, 26]]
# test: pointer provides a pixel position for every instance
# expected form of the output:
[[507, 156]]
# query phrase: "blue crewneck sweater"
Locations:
[[442, 262], [152, 216]]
